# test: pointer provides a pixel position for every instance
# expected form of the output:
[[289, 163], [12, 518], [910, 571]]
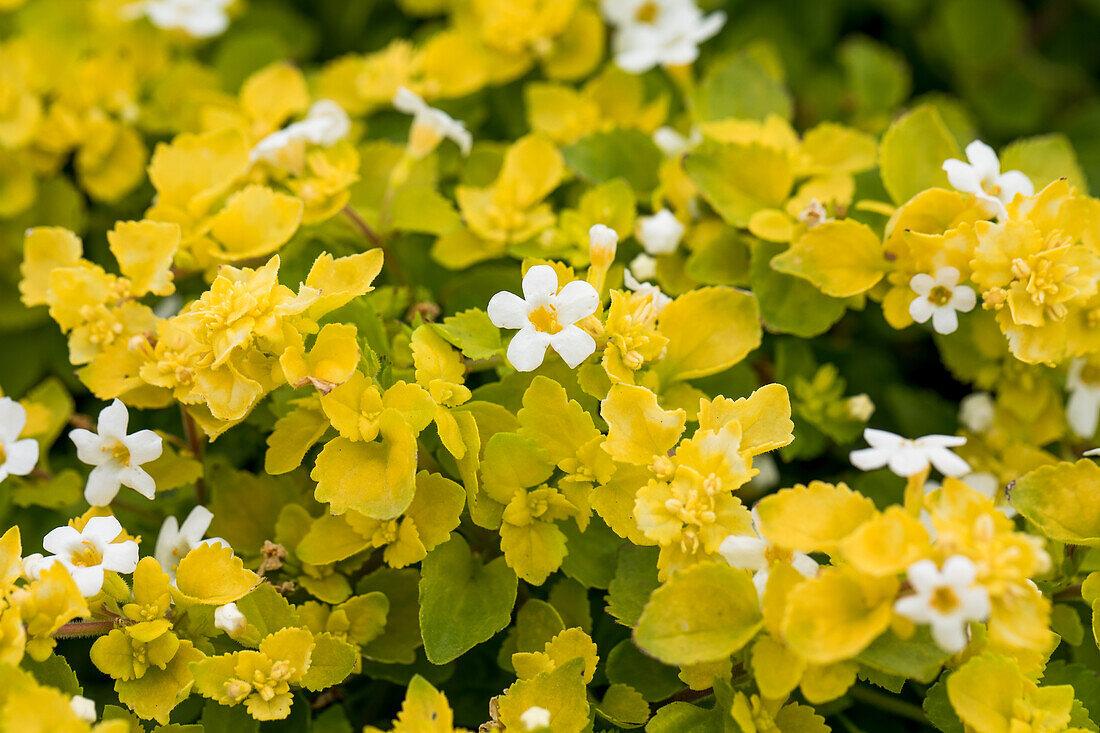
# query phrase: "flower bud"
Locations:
[[84, 708], [602, 243], [860, 407], [229, 619]]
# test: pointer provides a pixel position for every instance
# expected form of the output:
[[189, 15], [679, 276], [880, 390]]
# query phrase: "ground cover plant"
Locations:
[[549, 365]]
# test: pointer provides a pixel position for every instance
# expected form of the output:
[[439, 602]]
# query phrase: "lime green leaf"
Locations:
[[471, 332], [708, 330], [402, 635], [292, 437], [627, 665], [1062, 500], [1044, 159], [330, 663], [625, 153], [912, 153], [740, 179], [841, 258], [917, 657], [743, 89], [624, 706], [421, 209], [635, 578]]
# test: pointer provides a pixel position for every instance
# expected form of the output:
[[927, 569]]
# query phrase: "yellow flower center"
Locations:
[[118, 452], [940, 295], [385, 534], [944, 599], [545, 319], [88, 555], [647, 12], [991, 188], [3, 456]]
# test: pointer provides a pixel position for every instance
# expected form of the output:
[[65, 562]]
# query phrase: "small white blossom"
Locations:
[[229, 619], [859, 407], [87, 554], [196, 18], [907, 457], [660, 300], [659, 234], [535, 718], [17, 457], [947, 599], [175, 540], [939, 298], [84, 708], [1083, 406], [325, 124], [602, 243], [651, 33], [430, 125], [756, 554], [117, 457], [643, 267], [982, 177], [673, 144], [977, 412], [814, 214], [545, 317]]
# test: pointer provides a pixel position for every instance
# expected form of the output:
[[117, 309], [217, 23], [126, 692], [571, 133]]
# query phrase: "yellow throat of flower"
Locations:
[[118, 452], [545, 319], [944, 600], [88, 555]]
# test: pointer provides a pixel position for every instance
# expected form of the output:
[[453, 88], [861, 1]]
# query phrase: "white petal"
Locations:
[[62, 540], [21, 457], [948, 463], [804, 564], [882, 438], [921, 309], [196, 524], [747, 553], [1083, 412], [869, 459], [962, 176], [1015, 182], [88, 447], [540, 282], [950, 634], [407, 101], [908, 461], [941, 441], [103, 484], [984, 159], [104, 529], [710, 26], [984, 483], [88, 580], [945, 320], [13, 417], [924, 575], [963, 298], [760, 581], [113, 421], [975, 603], [138, 480], [166, 541], [576, 300], [948, 277], [915, 608], [959, 572], [507, 310], [573, 345], [122, 557], [527, 349], [922, 283], [144, 446]]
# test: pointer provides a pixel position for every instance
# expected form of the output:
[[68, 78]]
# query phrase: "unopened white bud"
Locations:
[[229, 619]]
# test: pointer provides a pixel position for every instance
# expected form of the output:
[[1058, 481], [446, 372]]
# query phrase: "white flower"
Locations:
[[84, 708], [948, 599], [859, 407], [430, 125], [643, 267], [939, 297], [229, 619], [658, 32], [602, 243], [196, 18], [175, 541], [977, 412], [814, 214], [659, 234], [908, 457], [535, 718], [1083, 406], [88, 554], [17, 457], [325, 124], [660, 300], [755, 554], [982, 177], [545, 317], [117, 457], [673, 144]]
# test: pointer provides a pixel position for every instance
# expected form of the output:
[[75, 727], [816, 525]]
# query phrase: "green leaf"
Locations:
[[877, 76], [912, 153], [216, 716], [537, 622], [743, 89], [625, 153], [472, 332], [1085, 681], [421, 209], [635, 578], [683, 717], [462, 602], [402, 635], [294, 434], [330, 663], [624, 706], [592, 553], [55, 672], [703, 613], [1062, 500], [628, 665], [267, 610], [917, 658], [708, 331], [1045, 159], [790, 304], [938, 709], [245, 505], [740, 179]]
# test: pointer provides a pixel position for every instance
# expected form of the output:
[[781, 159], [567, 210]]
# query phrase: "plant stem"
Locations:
[[79, 629], [374, 239], [888, 704], [198, 448]]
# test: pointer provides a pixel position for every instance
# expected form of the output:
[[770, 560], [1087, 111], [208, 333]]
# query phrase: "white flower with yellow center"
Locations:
[[982, 177], [229, 619], [325, 124], [17, 457], [947, 600], [546, 316], [659, 234], [196, 18], [535, 718], [87, 554], [1083, 406], [430, 126], [941, 298], [117, 457], [756, 555], [651, 33], [176, 540], [907, 457]]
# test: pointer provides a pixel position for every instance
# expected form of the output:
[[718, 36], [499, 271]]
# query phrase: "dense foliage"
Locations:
[[549, 365]]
